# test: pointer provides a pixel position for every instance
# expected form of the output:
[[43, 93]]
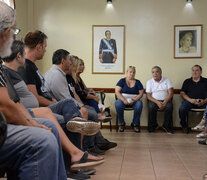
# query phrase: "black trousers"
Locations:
[[152, 118]]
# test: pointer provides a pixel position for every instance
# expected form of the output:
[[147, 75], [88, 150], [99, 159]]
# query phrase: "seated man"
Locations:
[[159, 94], [57, 84], [11, 64], [194, 94], [30, 144]]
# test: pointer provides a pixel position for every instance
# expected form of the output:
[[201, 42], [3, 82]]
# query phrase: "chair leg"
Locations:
[[101, 125], [110, 126], [187, 120], [117, 124]]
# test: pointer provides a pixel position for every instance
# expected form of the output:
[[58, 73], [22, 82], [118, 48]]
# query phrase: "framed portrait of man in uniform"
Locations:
[[108, 51], [188, 41]]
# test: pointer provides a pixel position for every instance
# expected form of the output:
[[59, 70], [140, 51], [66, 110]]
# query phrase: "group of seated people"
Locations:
[[159, 92], [47, 130]]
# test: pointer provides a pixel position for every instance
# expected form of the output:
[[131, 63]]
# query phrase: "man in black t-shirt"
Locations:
[[194, 93]]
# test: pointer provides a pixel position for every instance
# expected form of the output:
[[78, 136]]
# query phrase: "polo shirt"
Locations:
[[196, 90], [159, 90]]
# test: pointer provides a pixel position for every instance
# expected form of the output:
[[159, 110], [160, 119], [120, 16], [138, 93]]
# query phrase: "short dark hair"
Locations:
[[32, 39], [59, 55], [17, 47], [107, 31], [198, 66]]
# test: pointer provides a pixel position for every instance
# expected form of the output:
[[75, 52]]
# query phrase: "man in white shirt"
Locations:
[[159, 94]]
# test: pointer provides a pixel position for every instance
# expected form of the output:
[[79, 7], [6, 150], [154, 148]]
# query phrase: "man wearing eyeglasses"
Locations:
[[30, 146]]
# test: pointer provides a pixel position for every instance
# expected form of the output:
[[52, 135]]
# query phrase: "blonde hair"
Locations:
[[77, 64], [131, 68]]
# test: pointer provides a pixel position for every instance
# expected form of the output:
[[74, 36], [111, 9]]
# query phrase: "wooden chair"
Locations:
[[102, 96], [187, 119]]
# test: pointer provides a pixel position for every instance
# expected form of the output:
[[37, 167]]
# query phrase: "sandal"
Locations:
[[198, 128], [85, 163], [201, 135], [203, 142]]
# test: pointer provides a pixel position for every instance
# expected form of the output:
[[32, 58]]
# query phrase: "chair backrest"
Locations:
[[102, 96]]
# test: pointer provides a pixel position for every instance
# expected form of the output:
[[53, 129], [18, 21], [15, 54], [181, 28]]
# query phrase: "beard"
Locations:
[[5, 50]]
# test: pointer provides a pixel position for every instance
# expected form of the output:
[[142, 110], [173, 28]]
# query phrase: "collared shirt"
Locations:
[[159, 90], [196, 90], [56, 84]]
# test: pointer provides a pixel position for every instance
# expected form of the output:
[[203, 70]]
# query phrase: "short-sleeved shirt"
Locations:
[[5, 81], [126, 89], [196, 90], [26, 97], [31, 75], [159, 90], [2, 79]]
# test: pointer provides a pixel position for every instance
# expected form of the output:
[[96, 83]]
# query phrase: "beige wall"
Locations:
[[149, 35]]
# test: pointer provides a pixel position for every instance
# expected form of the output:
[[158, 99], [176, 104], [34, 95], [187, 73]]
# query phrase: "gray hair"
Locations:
[[7, 16], [157, 67]]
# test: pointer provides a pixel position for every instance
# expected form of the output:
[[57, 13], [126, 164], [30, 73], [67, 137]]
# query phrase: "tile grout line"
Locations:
[[182, 162], [122, 163], [152, 162]]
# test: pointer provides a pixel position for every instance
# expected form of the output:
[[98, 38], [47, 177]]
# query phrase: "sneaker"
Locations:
[[122, 127], [106, 145], [201, 135], [85, 127], [137, 129], [168, 131], [95, 151]]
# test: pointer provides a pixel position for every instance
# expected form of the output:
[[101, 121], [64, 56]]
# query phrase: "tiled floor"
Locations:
[[153, 156]]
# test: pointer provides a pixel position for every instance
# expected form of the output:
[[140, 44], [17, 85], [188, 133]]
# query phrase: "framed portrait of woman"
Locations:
[[11, 3], [188, 41], [108, 49]]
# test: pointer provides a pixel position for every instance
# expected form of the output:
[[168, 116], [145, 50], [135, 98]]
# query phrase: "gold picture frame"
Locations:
[[188, 41], [108, 49]]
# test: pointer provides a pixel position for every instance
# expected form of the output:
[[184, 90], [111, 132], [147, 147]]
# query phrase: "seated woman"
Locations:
[[87, 96], [129, 91]]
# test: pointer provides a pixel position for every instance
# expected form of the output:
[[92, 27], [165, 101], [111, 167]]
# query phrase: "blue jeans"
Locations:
[[68, 110], [34, 152], [92, 103], [183, 111], [137, 106]]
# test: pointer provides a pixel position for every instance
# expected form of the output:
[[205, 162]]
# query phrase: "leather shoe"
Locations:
[[106, 145]]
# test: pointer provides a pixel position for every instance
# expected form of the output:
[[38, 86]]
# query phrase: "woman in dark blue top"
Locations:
[[129, 91]]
